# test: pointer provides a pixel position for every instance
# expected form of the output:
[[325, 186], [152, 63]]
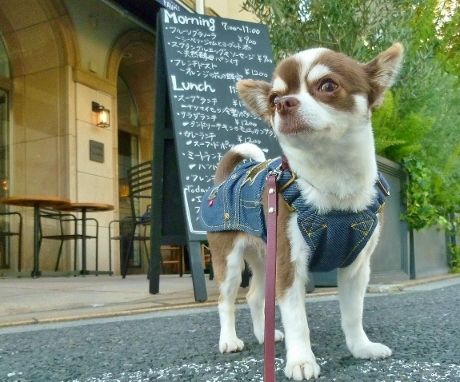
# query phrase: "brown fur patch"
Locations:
[[382, 71], [289, 71], [345, 72], [255, 95], [284, 266], [226, 166], [221, 244]]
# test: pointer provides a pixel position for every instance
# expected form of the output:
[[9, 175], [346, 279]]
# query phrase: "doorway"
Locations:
[[135, 82], [128, 156]]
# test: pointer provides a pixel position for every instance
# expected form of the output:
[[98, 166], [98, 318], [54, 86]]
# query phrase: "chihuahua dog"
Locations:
[[319, 105]]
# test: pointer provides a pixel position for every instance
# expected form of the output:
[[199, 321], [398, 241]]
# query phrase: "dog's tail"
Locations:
[[234, 156]]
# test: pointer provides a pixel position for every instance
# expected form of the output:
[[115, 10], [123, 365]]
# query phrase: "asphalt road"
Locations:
[[421, 326]]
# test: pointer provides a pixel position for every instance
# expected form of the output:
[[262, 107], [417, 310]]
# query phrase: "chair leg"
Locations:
[[181, 261], [110, 254], [56, 267], [39, 245], [20, 245], [130, 246], [97, 252], [211, 269], [75, 256], [147, 256]]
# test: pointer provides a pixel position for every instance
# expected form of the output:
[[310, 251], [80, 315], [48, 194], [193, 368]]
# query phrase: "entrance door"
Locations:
[[128, 156]]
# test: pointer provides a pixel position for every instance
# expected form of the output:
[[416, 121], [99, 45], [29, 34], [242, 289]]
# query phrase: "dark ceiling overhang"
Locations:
[[144, 10]]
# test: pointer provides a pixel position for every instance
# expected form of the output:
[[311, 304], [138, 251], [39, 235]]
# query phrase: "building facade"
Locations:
[[57, 58]]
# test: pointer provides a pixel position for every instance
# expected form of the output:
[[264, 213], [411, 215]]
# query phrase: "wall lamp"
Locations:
[[102, 115]]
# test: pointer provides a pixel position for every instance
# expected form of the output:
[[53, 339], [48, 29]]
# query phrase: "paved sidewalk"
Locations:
[[30, 301], [420, 324], [26, 301]]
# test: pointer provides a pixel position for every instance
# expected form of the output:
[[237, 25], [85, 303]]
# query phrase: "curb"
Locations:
[[134, 311], [399, 287], [372, 288], [95, 315]]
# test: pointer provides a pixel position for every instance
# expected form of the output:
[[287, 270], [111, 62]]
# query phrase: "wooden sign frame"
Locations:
[[161, 133], [184, 86]]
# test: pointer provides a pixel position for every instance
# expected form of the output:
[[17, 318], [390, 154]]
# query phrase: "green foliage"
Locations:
[[454, 248], [418, 124], [354, 27], [454, 259], [421, 211], [449, 51], [398, 134]]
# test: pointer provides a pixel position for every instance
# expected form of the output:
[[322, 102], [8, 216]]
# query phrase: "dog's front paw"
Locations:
[[370, 350], [302, 368], [230, 345]]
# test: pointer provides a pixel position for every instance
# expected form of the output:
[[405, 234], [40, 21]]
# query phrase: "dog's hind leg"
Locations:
[[256, 295], [227, 253], [352, 282]]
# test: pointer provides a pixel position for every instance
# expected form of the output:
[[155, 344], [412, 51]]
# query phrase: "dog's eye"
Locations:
[[328, 86], [272, 98]]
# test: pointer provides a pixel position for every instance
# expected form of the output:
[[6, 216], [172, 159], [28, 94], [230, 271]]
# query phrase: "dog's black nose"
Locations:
[[286, 104]]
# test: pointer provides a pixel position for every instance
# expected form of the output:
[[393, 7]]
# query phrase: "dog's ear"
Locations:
[[255, 95], [382, 72]]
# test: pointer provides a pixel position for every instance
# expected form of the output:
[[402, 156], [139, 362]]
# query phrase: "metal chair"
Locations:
[[7, 232], [206, 258], [136, 228], [140, 188], [124, 236], [172, 255], [67, 230]]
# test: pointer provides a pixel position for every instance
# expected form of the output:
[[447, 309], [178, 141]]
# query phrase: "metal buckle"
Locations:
[[289, 182], [382, 187], [277, 172]]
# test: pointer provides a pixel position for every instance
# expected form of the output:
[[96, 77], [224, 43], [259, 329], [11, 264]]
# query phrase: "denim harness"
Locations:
[[335, 239]]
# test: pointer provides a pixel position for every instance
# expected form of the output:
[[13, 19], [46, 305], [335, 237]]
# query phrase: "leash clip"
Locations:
[[275, 172]]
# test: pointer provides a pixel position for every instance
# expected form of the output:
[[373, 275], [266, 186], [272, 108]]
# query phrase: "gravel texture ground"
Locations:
[[422, 328]]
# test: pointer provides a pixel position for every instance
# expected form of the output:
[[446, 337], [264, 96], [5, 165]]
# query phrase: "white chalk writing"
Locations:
[[205, 58]]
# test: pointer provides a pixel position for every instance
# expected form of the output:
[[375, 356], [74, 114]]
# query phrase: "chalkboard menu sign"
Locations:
[[204, 58], [198, 117]]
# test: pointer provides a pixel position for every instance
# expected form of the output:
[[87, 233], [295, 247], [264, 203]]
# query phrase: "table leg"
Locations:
[[83, 242], [36, 271]]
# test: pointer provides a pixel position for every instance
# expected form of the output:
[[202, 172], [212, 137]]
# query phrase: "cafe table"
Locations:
[[84, 208], [37, 202]]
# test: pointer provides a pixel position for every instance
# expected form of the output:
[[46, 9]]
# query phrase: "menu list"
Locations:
[[205, 57]]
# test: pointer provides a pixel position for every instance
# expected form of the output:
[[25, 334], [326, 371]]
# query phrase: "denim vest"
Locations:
[[335, 239]]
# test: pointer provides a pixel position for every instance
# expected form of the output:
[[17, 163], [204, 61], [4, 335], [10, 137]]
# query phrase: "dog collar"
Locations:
[[286, 168]]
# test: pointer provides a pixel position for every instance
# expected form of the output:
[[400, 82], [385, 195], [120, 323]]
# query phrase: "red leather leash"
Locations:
[[270, 277]]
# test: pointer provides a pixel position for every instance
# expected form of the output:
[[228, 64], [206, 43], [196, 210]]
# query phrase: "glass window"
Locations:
[[128, 156], [128, 118], [128, 142]]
